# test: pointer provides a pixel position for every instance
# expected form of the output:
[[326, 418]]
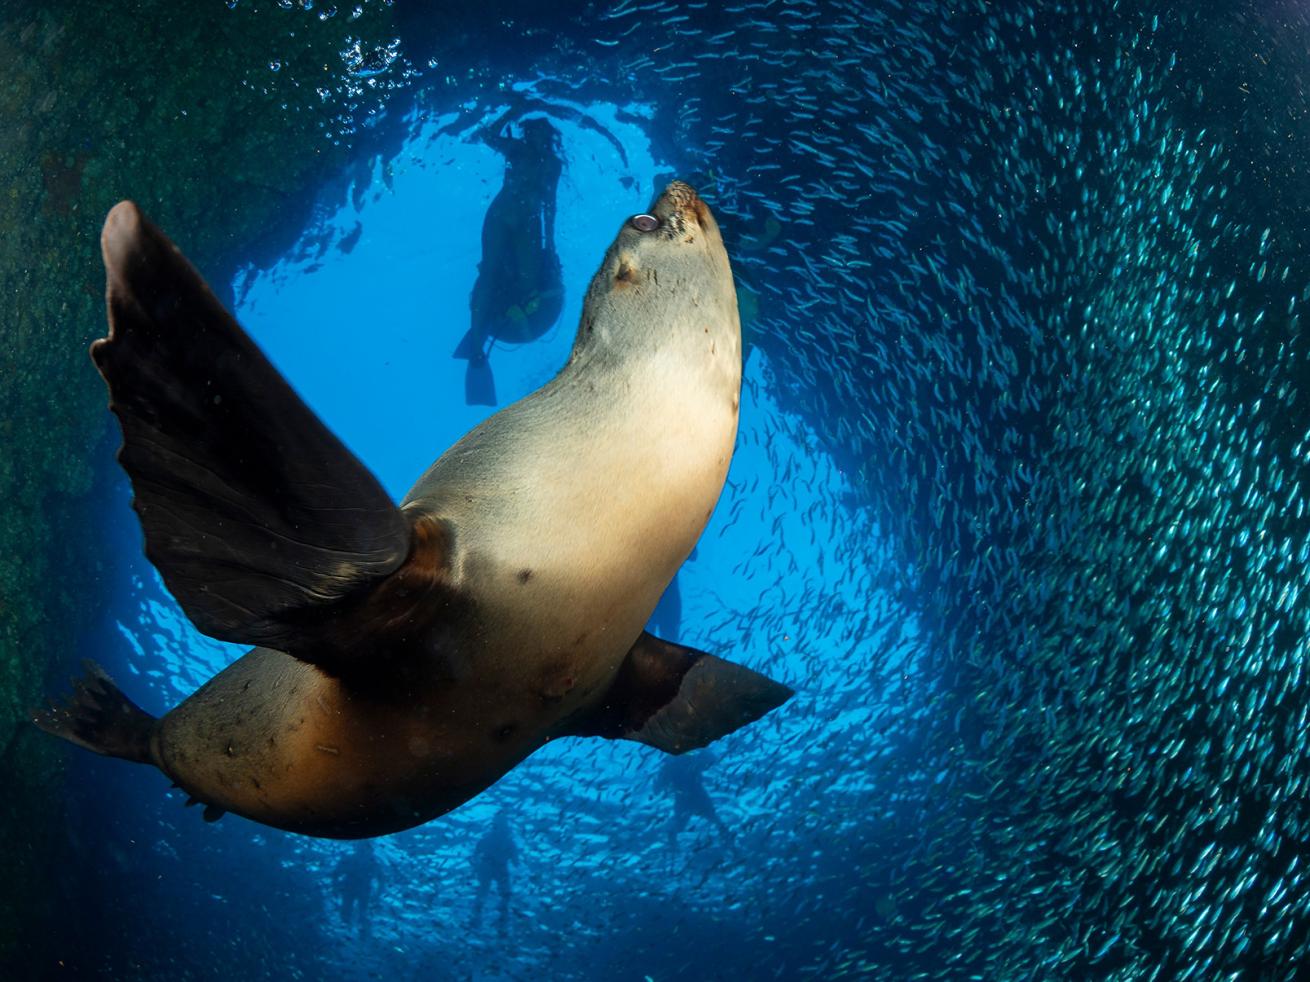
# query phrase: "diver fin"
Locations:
[[479, 386], [471, 345], [99, 717], [254, 513], [677, 699]]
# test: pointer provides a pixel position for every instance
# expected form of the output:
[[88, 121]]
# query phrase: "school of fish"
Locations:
[[1007, 275]]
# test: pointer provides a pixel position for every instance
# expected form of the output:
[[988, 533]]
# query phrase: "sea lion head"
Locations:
[[665, 275]]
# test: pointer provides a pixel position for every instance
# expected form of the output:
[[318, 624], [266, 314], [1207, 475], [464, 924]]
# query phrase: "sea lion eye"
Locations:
[[645, 223]]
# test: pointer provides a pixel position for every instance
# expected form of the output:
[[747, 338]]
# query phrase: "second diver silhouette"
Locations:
[[681, 777], [519, 291], [491, 860], [355, 876]]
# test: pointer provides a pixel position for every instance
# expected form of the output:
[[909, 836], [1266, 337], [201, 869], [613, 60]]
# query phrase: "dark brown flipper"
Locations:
[[257, 517], [99, 717], [677, 699]]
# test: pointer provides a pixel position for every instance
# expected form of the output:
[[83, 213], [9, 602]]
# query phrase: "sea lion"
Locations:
[[406, 657]]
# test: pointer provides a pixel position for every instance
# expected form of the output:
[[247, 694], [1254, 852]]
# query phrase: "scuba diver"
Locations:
[[519, 291], [491, 858], [681, 777], [354, 878]]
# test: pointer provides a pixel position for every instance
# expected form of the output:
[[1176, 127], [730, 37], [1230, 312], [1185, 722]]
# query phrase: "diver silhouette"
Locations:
[[681, 777], [519, 291], [491, 860], [666, 619], [355, 875]]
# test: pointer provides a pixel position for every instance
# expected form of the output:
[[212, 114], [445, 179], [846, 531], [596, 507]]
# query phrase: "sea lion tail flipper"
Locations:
[[99, 717], [677, 699], [255, 514]]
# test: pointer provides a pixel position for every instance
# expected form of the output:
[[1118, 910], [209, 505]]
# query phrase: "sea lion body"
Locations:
[[543, 540]]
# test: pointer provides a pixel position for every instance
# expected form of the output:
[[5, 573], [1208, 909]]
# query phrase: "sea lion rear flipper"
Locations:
[[99, 717], [255, 514], [677, 699]]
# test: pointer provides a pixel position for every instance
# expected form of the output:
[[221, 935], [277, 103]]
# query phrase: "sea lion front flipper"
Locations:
[[257, 517], [676, 698]]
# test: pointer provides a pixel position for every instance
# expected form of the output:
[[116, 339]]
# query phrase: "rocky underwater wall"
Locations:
[[220, 120]]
